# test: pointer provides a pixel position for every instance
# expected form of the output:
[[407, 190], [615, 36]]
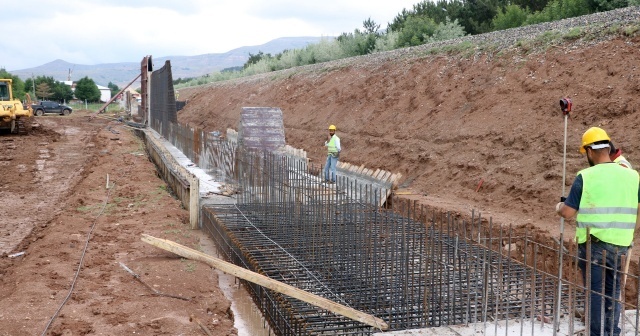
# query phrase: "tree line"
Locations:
[[428, 21]]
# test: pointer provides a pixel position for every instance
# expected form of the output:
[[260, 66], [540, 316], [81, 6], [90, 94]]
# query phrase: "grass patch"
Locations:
[[631, 31], [573, 34], [547, 38], [96, 208], [135, 202], [190, 266]]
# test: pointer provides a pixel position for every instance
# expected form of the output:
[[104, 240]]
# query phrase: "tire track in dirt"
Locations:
[[44, 164]]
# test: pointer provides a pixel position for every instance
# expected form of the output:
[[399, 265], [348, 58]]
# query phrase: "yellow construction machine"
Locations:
[[14, 116]]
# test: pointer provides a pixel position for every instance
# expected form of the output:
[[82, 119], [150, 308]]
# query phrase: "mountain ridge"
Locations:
[[122, 73]]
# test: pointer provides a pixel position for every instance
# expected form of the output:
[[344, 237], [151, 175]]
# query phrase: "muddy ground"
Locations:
[[55, 198]]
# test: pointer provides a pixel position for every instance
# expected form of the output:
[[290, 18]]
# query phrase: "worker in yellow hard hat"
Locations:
[[333, 148], [615, 154], [605, 199]]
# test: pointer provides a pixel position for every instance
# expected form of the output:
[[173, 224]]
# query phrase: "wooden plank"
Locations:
[[360, 169], [378, 174], [388, 179], [266, 282], [375, 173], [382, 173]]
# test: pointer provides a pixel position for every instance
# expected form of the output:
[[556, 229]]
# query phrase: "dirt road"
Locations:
[[55, 200]]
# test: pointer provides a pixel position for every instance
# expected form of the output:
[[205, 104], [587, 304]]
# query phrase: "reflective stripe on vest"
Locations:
[[332, 145], [609, 204]]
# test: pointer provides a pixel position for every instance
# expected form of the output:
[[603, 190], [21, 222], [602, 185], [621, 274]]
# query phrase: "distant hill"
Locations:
[[182, 66]]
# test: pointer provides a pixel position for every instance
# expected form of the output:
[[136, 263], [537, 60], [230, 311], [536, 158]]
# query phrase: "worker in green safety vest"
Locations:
[[605, 198], [333, 153]]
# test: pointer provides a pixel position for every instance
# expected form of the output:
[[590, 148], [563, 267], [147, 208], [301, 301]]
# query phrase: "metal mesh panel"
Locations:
[[163, 100]]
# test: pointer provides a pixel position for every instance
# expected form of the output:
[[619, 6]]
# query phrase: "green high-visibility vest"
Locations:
[[609, 204], [331, 145]]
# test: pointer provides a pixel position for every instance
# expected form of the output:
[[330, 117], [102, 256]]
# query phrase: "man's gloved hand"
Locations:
[[559, 206]]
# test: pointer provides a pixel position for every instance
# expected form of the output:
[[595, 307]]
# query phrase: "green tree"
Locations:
[[558, 10], [255, 58], [370, 26], [530, 5], [360, 42], [62, 92], [446, 31], [607, 5], [416, 31], [387, 41], [51, 88], [473, 15], [113, 88], [86, 89], [510, 17]]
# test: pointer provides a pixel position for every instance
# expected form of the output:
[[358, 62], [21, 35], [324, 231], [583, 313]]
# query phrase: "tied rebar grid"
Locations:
[[411, 266], [466, 274]]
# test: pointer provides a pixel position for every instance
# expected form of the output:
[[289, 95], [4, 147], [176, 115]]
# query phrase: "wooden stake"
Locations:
[[194, 202], [266, 282]]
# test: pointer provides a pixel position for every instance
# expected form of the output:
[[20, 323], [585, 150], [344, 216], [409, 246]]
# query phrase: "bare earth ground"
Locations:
[[53, 189]]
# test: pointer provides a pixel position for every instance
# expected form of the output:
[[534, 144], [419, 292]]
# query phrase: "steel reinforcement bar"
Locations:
[[411, 266]]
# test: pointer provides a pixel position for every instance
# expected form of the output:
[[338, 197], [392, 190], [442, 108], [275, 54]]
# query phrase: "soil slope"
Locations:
[[469, 129]]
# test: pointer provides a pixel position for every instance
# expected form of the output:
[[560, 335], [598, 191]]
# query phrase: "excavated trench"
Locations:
[[412, 266]]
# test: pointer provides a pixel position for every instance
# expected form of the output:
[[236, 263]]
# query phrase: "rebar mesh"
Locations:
[[410, 265], [411, 273]]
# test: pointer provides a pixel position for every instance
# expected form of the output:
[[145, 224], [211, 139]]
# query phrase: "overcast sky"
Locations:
[[35, 32]]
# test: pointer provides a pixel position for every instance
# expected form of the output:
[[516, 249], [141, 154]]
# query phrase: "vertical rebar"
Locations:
[[587, 263], [533, 288], [603, 286], [616, 287]]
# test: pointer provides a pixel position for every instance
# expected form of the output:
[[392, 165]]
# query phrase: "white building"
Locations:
[[105, 92]]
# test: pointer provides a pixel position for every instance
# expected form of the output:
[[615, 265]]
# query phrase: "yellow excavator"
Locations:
[[14, 116]]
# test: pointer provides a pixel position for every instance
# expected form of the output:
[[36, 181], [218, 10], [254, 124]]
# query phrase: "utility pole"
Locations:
[[33, 81]]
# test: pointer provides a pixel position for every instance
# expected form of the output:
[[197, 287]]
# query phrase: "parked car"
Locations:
[[50, 107]]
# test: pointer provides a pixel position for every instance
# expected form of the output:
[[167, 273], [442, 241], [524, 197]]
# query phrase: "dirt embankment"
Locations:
[[449, 123]]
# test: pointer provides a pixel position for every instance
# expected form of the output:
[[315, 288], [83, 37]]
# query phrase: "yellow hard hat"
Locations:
[[332, 127], [594, 134]]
